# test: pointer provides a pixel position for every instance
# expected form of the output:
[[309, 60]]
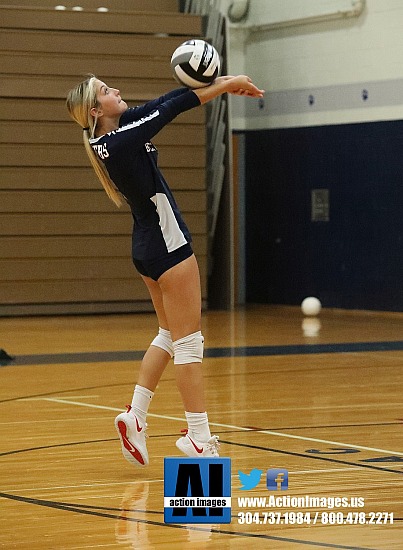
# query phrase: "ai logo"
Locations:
[[197, 490]]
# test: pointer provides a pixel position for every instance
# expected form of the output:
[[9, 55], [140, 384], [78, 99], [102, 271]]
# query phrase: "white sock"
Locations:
[[198, 425], [141, 401]]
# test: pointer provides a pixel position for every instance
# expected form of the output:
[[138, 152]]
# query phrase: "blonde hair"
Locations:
[[80, 101]]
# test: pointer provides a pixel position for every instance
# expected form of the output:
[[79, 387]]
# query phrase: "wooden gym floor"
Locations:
[[324, 403]]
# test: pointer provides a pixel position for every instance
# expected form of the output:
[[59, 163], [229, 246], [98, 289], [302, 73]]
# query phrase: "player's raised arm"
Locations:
[[235, 85]]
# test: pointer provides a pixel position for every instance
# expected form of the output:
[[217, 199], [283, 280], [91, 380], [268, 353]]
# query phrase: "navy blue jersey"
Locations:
[[131, 161]]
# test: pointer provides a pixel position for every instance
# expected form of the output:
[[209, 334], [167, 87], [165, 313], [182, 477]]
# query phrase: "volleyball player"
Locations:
[[118, 142]]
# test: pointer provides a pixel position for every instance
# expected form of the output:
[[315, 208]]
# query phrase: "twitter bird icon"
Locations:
[[249, 481]]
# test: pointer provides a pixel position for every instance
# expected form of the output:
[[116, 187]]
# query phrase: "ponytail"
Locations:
[[80, 101], [101, 172]]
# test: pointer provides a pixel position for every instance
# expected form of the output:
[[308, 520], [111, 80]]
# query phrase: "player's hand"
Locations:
[[242, 85], [235, 85]]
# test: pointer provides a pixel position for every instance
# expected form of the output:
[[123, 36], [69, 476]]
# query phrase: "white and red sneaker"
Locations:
[[195, 448], [132, 437]]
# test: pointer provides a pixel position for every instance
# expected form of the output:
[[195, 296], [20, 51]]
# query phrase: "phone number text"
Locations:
[[322, 518]]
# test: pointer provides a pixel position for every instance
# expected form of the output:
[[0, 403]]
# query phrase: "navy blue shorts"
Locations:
[[157, 266]]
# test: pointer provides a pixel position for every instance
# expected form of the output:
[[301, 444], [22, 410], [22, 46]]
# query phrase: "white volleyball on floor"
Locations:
[[195, 63], [311, 306]]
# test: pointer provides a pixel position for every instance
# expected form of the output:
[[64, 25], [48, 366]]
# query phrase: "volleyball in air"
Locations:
[[195, 64], [311, 306]]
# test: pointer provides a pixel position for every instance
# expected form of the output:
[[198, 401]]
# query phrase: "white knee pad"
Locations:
[[163, 340], [189, 349]]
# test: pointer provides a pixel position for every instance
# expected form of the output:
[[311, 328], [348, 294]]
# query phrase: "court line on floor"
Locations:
[[96, 511], [239, 351], [320, 457], [230, 426], [246, 445], [320, 408], [368, 405], [112, 484]]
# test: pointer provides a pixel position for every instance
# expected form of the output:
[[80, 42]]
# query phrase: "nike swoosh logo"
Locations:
[[195, 446], [139, 428], [127, 445]]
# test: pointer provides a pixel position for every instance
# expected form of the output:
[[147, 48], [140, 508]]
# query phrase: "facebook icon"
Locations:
[[277, 479]]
